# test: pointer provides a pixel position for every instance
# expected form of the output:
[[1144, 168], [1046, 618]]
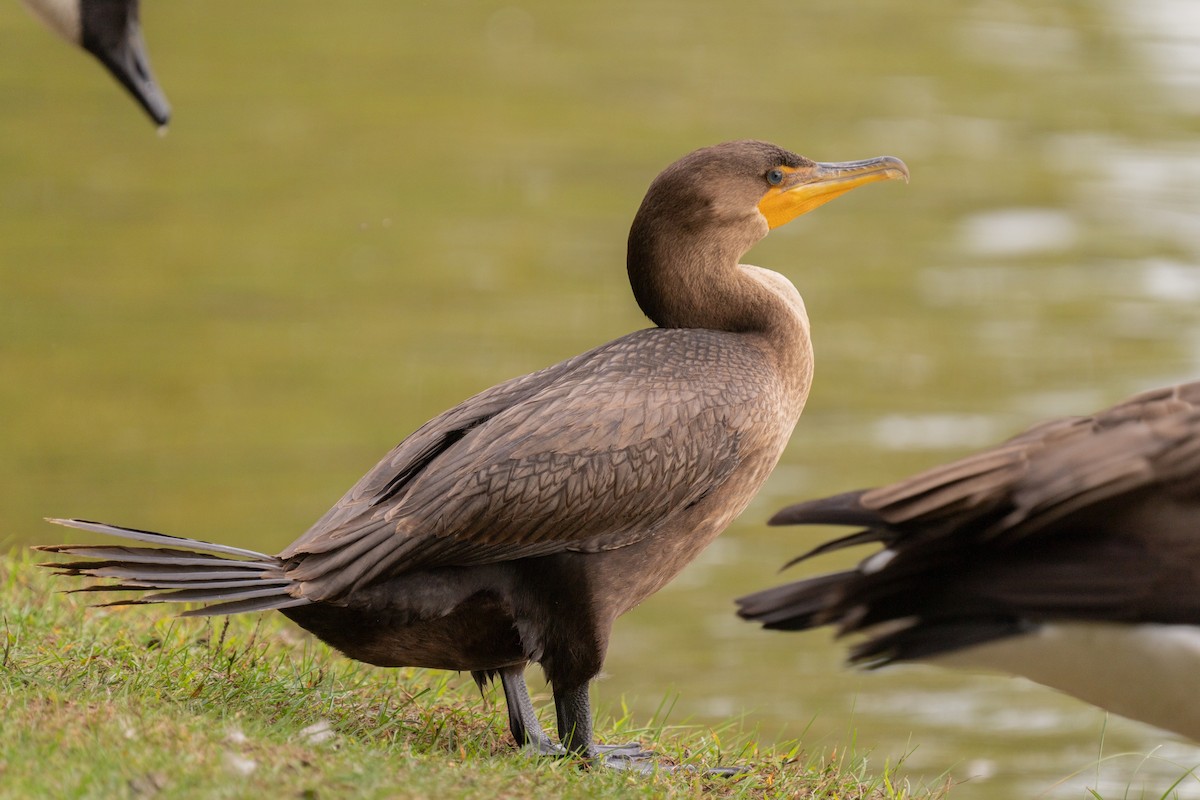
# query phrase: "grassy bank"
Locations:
[[134, 703]]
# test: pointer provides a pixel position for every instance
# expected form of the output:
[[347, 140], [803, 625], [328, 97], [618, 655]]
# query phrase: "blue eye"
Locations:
[[775, 177]]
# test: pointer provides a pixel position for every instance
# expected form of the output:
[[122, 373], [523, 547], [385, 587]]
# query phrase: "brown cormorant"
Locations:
[[517, 526]]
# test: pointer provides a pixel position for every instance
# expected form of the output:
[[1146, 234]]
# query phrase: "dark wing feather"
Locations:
[[389, 480], [589, 455], [1052, 469], [1084, 518], [1159, 451], [838, 509]]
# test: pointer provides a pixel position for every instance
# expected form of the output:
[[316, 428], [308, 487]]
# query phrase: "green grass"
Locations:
[[134, 703]]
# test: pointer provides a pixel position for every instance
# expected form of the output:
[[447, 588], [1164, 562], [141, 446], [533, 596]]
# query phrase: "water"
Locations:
[[362, 216]]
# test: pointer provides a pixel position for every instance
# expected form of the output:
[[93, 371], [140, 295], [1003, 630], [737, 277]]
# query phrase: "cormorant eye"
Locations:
[[775, 177]]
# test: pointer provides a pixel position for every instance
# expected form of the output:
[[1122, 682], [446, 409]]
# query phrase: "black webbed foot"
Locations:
[[575, 730], [601, 752]]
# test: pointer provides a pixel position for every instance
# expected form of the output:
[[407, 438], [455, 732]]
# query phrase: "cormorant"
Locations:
[[517, 526]]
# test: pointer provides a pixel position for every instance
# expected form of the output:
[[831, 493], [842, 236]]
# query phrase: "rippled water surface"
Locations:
[[363, 214]]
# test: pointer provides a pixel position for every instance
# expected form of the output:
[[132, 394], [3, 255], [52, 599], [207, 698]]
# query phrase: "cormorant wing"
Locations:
[[587, 455]]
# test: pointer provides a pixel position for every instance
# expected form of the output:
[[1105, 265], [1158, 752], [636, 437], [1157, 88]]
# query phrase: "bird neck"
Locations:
[[698, 283]]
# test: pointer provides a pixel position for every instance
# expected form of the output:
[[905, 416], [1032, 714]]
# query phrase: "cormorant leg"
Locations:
[[573, 708], [527, 730], [574, 711], [522, 719]]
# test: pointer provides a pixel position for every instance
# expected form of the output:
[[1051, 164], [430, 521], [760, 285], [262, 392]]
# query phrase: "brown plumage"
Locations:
[[518, 525], [1069, 554]]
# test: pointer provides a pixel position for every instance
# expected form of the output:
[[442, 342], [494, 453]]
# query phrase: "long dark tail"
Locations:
[[185, 571]]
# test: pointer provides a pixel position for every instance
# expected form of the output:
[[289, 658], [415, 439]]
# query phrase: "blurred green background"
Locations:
[[365, 212]]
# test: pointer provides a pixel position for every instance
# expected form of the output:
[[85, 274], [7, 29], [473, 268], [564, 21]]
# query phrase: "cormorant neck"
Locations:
[[692, 279]]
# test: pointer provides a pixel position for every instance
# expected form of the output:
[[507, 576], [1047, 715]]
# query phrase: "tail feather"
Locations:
[[149, 555], [233, 581], [210, 595], [839, 509], [869, 536], [150, 571], [158, 538], [143, 585], [794, 606], [246, 606], [916, 640]]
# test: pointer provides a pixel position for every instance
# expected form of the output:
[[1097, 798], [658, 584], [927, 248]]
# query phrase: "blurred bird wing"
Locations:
[[1056, 468]]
